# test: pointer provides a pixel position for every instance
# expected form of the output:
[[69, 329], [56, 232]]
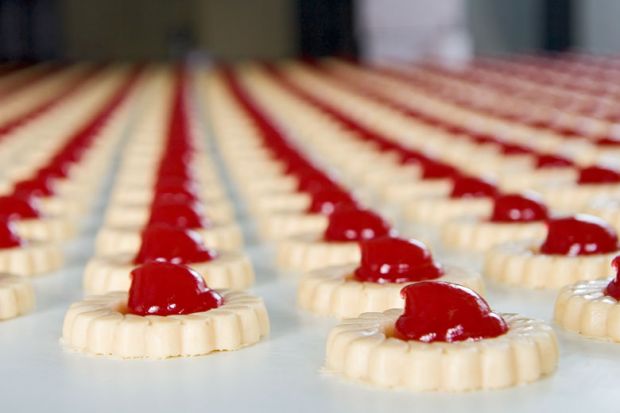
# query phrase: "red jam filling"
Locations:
[[175, 169], [481, 138], [598, 175], [312, 180], [514, 149], [395, 260], [470, 187], [444, 312], [552, 161], [579, 235], [613, 288], [608, 141], [163, 288], [39, 186], [18, 207], [175, 245], [326, 200], [174, 184], [437, 170], [353, 224], [174, 197], [518, 208], [177, 215], [8, 236], [59, 169]]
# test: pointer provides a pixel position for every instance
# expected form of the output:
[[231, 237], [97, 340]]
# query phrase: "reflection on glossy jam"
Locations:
[[579, 235], [598, 175], [613, 288], [18, 207], [8, 236], [175, 245], [326, 200], [518, 208], [470, 187], [353, 224], [552, 161], [444, 312], [40, 186], [396, 260], [163, 288], [178, 215]]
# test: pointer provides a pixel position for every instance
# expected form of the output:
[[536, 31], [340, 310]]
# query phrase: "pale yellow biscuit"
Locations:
[[521, 264], [117, 240], [584, 308], [334, 292], [59, 228], [309, 252], [364, 349], [229, 270], [280, 225], [126, 215], [101, 325], [474, 234], [32, 258], [16, 296]]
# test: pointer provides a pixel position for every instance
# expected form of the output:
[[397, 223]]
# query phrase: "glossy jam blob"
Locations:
[[440, 311], [470, 187], [598, 175], [518, 208], [548, 161], [163, 288], [396, 260], [18, 207], [579, 235], [326, 200], [613, 288], [353, 224], [8, 236], [175, 245], [177, 215]]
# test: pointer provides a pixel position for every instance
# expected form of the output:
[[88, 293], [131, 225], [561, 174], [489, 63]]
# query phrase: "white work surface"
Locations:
[[283, 373]]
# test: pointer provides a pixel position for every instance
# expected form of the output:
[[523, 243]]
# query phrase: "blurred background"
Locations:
[[265, 29]]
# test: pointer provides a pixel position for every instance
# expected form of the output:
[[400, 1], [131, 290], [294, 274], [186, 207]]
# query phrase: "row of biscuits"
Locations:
[[30, 232], [377, 347], [573, 248], [563, 111], [511, 217], [168, 277], [586, 184]]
